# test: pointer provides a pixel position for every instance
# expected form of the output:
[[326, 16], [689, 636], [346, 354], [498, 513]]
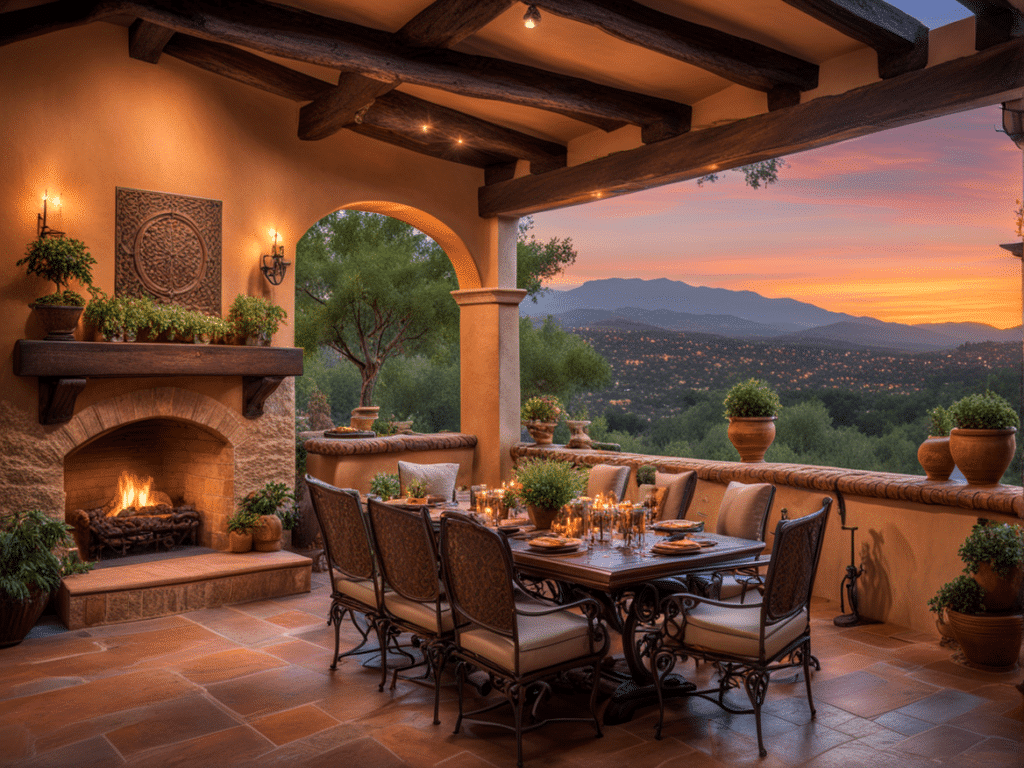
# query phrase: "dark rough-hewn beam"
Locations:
[[340, 106], [444, 23], [464, 154], [986, 78], [741, 61], [996, 21], [900, 40], [146, 41]]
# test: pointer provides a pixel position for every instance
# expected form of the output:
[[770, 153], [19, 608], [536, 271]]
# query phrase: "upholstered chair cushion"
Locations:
[[608, 480], [357, 589], [421, 614], [675, 493], [737, 630], [440, 478], [743, 509]]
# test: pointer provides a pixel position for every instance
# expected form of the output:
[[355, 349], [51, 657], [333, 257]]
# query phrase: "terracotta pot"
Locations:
[[17, 618], [267, 536], [239, 542], [751, 436], [363, 417], [983, 454], [542, 432], [942, 624], [59, 321], [935, 458], [989, 640], [1001, 592], [578, 437], [542, 517]]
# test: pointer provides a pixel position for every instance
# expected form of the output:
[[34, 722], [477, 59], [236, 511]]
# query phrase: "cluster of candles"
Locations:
[[600, 519], [490, 503]]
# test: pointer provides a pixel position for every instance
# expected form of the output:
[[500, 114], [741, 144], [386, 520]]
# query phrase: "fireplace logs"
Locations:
[[158, 527]]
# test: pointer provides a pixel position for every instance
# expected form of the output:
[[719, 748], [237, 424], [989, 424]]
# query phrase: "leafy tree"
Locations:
[[764, 173], [538, 262], [319, 411], [556, 362], [371, 288]]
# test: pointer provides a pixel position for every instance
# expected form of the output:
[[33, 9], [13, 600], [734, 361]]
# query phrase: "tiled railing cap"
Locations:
[[1001, 499], [327, 446]]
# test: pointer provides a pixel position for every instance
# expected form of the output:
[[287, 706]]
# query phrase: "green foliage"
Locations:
[[549, 483], [962, 595], [244, 521], [545, 408], [255, 316], [271, 499], [986, 411], [999, 544], [538, 262], [416, 488], [385, 485], [60, 260], [319, 411], [755, 175], [941, 422], [66, 298], [752, 398], [27, 558], [645, 474], [553, 360]]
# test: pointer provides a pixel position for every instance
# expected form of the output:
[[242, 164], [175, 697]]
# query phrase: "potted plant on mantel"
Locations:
[[30, 570], [60, 260], [933, 454], [540, 416], [545, 486], [752, 407], [255, 319], [983, 603], [982, 443]]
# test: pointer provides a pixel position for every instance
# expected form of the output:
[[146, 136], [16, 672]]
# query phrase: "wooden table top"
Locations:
[[611, 567]]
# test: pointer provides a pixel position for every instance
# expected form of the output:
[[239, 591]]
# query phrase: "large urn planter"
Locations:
[[267, 536], [17, 617], [363, 417], [59, 321], [542, 432], [934, 457], [751, 436], [983, 455], [578, 437], [991, 641]]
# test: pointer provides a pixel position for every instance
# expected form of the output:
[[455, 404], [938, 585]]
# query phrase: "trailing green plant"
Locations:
[[941, 422], [1001, 545], [255, 316], [752, 397], [962, 595], [116, 315], [60, 260], [416, 489], [385, 485], [244, 521], [548, 483], [545, 408], [27, 557], [983, 411], [645, 474]]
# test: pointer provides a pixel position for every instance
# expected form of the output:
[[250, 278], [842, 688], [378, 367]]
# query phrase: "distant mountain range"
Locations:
[[663, 304]]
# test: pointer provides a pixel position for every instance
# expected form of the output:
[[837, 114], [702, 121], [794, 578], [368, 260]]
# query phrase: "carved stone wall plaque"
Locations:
[[168, 246]]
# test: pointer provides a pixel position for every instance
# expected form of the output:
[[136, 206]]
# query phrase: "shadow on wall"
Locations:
[[874, 586]]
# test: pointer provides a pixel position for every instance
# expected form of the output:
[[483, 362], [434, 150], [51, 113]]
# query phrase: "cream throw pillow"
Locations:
[[743, 508], [609, 480], [440, 478], [675, 488]]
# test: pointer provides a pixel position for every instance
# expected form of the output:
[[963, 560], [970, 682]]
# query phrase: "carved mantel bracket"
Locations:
[[65, 367]]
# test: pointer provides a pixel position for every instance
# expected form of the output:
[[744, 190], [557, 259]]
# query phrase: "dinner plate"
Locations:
[[677, 525], [676, 547], [554, 544]]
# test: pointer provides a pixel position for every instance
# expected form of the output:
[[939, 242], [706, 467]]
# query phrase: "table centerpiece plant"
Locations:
[[933, 454], [385, 485], [60, 260], [545, 486], [982, 440], [752, 407], [540, 415]]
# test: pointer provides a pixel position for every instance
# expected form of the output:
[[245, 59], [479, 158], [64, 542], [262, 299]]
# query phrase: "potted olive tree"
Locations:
[[983, 441], [255, 319], [752, 407], [30, 569], [540, 416], [545, 486], [60, 260], [933, 454]]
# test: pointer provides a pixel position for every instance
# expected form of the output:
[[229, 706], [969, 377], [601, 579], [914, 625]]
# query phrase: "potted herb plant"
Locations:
[[255, 319], [933, 454], [540, 416], [416, 491], [545, 486], [30, 570], [117, 318], [982, 441], [240, 528], [752, 407], [60, 260], [385, 485], [266, 505]]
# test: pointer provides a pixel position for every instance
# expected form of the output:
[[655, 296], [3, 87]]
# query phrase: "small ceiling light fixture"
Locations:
[[532, 17], [274, 266], [41, 229], [425, 128], [1013, 121]]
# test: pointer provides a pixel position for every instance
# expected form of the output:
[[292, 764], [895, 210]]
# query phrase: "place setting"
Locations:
[[552, 544], [677, 526], [682, 546]]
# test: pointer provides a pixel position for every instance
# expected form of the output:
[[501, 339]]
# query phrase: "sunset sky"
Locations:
[[903, 225]]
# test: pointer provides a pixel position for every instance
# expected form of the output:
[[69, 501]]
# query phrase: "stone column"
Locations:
[[489, 344]]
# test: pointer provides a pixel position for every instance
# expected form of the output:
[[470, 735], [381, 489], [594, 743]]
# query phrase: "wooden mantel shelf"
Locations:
[[65, 367]]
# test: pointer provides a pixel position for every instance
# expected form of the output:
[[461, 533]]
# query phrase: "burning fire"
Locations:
[[134, 491]]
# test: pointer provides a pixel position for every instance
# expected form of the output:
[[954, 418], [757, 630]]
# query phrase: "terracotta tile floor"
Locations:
[[249, 685]]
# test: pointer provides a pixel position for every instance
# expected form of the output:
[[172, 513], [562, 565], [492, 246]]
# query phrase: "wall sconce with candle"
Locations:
[[42, 230], [274, 266]]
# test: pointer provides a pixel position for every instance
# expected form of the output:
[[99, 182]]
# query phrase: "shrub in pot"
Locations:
[[255, 319], [118, 318], [752, 407], [268, 506], [933, 454], [60, 260], [994, 555], [540, 415], [30, 570], [240, 528], [545, 486], [385, 485], [982, 441]]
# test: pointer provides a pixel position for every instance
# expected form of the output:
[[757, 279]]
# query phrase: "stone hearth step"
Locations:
[[165, 587]]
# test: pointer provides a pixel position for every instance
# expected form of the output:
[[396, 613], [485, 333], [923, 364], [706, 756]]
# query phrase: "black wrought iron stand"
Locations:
[[849, 583]]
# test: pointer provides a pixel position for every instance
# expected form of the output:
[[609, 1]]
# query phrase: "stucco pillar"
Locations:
[[489, 342]]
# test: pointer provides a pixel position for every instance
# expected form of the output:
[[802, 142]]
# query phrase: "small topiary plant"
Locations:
[[941, 422], [548, 483], [962, 595], [60, 260], [752, 398], [986, 411], [645, 474]]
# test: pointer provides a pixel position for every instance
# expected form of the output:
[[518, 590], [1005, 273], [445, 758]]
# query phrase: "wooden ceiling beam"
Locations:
[[997, 21], [340, 106], [742, 61], [146, 41], [466, 155], [444, 23], [988, 77], [900, 40]]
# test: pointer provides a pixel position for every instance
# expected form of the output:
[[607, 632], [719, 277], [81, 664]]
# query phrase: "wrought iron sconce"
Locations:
[[532, 17], [1013, 121], [274, 266], [41, 229]]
